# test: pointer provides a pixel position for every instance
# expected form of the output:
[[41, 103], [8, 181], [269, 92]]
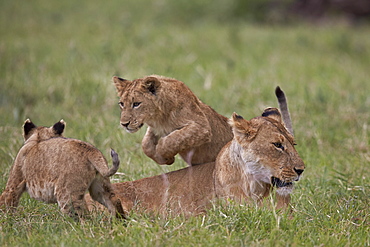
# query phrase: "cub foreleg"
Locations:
[[149, 146]]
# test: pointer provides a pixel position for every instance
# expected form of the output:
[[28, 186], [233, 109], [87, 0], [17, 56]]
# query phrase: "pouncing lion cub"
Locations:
[[178, 122], [260, 157], [53, 169]]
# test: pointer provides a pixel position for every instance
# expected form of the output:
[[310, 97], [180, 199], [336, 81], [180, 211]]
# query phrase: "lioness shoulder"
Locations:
[[178, 122]]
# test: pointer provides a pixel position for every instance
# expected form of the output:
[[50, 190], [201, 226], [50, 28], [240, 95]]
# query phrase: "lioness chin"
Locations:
[[260, 157], [54, 169]]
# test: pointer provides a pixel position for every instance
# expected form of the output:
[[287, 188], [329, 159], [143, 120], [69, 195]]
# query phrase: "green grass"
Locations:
[[56, 61]]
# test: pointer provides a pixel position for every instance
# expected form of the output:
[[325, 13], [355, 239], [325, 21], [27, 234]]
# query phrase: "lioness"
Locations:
[[53, 169], [178, 122], [260, 156]]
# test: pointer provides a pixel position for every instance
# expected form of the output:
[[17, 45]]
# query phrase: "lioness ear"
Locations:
[[151, 84], [241, 127], [58, 127], [273, 113], [120, 84], [28, 126]]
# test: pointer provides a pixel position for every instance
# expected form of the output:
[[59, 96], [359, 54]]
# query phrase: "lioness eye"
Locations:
[[121, 104], [278, 145], [136, 104]]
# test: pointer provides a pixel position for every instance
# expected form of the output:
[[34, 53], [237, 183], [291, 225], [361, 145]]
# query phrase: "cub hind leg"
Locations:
[[102, 192], [13, 191], [71, 202]]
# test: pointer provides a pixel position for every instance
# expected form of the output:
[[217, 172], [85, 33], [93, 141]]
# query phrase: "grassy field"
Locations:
[[57, 60]]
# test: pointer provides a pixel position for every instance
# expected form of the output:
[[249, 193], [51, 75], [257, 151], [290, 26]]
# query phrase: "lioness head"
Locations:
[[137, 101], [42, 133], [267, 150]]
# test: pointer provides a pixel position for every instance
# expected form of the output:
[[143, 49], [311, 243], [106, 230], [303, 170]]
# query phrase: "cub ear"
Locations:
[[241, 128], [273, 113], [151, 84], [28, 127], [120, 84], [58, 127]]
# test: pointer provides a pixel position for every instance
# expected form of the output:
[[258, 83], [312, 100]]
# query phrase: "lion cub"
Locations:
[[53, 169], [178, 122]]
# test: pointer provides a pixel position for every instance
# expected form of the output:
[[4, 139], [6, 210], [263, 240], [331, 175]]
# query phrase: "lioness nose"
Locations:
[[298, 171], [125, 124]]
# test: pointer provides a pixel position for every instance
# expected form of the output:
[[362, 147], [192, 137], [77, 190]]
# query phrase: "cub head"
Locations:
[[267, 150], [138, 101], [32, 132]]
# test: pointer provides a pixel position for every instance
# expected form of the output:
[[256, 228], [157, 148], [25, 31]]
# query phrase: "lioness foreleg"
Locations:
[[282, 201]]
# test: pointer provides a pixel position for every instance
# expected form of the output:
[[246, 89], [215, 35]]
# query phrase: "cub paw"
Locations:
[[164, 160]]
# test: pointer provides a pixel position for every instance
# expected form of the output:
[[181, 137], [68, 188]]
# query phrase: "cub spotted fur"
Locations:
[[260, 157], [178, 122], [53, 169]]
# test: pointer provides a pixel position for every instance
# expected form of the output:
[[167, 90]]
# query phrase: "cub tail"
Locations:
[[101, 165], [115, 166]]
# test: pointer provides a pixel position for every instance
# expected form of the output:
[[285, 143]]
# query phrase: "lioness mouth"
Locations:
[[279, 184]]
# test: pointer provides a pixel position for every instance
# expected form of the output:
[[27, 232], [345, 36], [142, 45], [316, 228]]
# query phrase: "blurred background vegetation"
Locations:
[[38, 30]]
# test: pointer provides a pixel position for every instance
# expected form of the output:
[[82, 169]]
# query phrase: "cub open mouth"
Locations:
[[133, 130], [279, 184]]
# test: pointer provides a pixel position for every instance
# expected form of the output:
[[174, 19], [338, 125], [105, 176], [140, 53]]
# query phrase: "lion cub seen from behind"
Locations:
[[53, 169]]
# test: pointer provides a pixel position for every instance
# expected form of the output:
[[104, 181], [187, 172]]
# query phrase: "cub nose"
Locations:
[[298, 171], [125, 124]]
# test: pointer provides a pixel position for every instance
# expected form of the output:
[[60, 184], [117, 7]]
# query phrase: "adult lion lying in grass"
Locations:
[[53, 169], [178, 122], [260, 156]]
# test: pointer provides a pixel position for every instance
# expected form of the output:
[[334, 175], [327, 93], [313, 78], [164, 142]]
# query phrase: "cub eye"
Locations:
[[136, 104], [120, 104], [278, 145]]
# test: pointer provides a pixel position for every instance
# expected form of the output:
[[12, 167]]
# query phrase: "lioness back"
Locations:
[[178, 122], [187, 191]]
